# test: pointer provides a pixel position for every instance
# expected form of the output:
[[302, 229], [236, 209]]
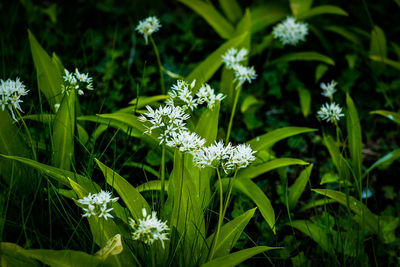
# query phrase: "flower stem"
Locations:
[[28, 133], [232, 114], [162, 175], [160, 68], [221, 216], [229, 194]]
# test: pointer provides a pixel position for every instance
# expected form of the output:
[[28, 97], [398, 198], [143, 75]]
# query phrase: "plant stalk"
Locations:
[[232, 114], [160, 67]]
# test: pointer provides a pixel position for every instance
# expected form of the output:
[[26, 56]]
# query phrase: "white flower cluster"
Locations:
[[232, 59], [228, 157], [328, 89], [148, 26], [290, 32], [76, 81], [10, 95], [181, 93], [149, 229], [330, 112], [97, 204]]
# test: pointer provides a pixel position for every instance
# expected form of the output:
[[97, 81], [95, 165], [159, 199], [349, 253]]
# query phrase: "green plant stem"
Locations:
[[220, 218], [232, 114], [160, 67], [28, 133], [162, 175], [229, 194]]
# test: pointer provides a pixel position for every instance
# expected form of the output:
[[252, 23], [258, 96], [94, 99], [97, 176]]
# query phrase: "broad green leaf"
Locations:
[[236, 258], [388, 114], [316, 233], [207, 125], [265, 15], [145, 168], [129, 194], [344, 32], [337, 158], [12, 144], [378, 48], [206, 69], [300, 6], [230, 233], [320, 71], [252, 191], [316, 203], [298, 187], [63, 132], [57, 174], [387, 61], [248, 102], [212, 16], [354, 136], [305, 101], [269, 139], [254, 171], [303, 56], [322, 10], [147, 100], [11, 255], [151, 185], [367, 217], [48, 73], [385, 160], [231, 10]]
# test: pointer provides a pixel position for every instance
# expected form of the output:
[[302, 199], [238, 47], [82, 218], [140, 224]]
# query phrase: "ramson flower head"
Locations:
[[76, 81], [290, 32], [243, 74], [98, 204], [185, 141], [328, 89], [148, 26], [233, 57], [330, 112], [149, 229], [10, 95], [241, 157]]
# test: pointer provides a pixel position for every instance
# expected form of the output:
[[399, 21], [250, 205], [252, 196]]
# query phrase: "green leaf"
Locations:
[[385, 160], [298, 187], [337, 158], [206, 69], [231, 9], [207, 125], [320, 71], [303, 56], [388, 114], [236, 258], [129, 194], [265, 15], [63, 132], [387, 61], [378, 48], [252, 191], [342, 31], [369, 219], [212, 16], [316, 233], [316, 203], [254, 171], [57, 174], [300, 6], [322, 10], [48, 73], [147, 100], [151, 185], [305, 101], [230, 233], [269, 139], [354, 136]]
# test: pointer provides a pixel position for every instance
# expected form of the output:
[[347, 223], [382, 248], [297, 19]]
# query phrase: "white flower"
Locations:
[[149, 229], [212, 156], [97, 204], [207, 95], [290, 32], [243, 74], [241, 157], [185, 141], [76, 81], [328, 89], [56, 107], [233, 57], [10, 95], [148, 26], [330, 112]]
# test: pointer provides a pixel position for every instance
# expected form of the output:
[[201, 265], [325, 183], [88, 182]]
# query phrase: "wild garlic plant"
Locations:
[[11, 92], [290, 32]]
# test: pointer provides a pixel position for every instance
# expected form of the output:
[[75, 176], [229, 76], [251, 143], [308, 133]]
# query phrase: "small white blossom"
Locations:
[[10, 95], [212, 156], [233, 57], [328, 89], [243, 74], [149, 229], [330, 112], [76, 81], [207, 95], [290, 32], [97, 204], [148, 26], [185, 141], [56, 107], [241, 157]]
